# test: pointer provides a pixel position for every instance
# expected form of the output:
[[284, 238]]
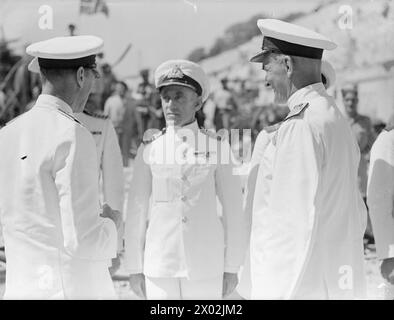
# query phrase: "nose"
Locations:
[[170, 105]]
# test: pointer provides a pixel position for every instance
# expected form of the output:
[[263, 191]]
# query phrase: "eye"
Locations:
[[96, 74]]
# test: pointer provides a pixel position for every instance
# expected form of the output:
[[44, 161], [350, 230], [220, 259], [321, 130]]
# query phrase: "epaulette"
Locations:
[[69, 116], [154, 136], [95, 115], [297, 110], [211, 134], [389, 126]]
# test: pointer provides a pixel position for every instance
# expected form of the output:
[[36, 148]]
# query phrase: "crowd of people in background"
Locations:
[[132, 111]]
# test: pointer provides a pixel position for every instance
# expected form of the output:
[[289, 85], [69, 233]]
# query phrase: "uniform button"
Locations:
[[184, 219], [183, 198]]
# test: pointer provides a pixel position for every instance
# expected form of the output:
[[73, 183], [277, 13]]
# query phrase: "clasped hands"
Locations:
[[114, 215]]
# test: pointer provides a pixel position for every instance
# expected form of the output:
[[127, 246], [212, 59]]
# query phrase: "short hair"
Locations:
[[144, 72], [57, 72], [125, 86], [53, 74]]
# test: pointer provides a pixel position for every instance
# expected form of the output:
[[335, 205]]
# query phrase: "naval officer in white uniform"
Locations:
[[380, 200], [186, 251], [57, 245], [262, 142], [308, 215], [111, 179]]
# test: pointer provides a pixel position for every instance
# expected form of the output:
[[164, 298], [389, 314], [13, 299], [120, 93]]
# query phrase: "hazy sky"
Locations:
[[157, 29]]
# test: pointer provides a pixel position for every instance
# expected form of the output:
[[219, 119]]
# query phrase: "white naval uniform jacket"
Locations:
[[308, 214], [185, 236], [109, 159], [380, 193], [56, 244]]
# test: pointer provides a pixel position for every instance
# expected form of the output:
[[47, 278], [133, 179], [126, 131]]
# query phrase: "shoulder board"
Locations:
[[389, 127], [297, 110], [211, 134], [95, 115], [272, 128], [154, 137], [69, 116]]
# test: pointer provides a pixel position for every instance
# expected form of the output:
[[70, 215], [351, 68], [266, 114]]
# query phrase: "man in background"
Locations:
[[225, 104], [363, 131], [115, 108]]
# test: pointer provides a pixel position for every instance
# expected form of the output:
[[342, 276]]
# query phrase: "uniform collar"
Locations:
[[301, 95], [47, 100], [180, 132], [191, 126]]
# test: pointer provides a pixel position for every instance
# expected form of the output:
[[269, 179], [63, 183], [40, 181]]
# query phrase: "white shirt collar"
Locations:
[[47, 100], [180, 132], [300, 95], [191, 126]]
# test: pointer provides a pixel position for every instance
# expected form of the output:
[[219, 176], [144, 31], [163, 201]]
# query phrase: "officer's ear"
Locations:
[[289, 65], [198, 104], [80, 77]]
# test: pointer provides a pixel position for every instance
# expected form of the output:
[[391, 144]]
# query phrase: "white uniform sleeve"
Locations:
[[85, 234], [297, 169], [380, 195], [137, 213], [229, 192], [260, 145], [112, 173]]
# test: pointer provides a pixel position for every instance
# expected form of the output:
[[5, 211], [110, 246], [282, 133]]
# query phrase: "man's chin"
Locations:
[[172, 119]]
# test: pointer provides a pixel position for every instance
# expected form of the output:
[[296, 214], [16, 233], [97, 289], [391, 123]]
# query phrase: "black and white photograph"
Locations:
[[196, 150]]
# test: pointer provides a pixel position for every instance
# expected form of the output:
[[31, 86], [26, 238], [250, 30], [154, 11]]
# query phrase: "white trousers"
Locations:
[[183, 289]]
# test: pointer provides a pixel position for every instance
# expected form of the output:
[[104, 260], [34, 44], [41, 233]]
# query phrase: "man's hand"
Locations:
[[230, 282], [114, 215], [137, 284], [387, 269]]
